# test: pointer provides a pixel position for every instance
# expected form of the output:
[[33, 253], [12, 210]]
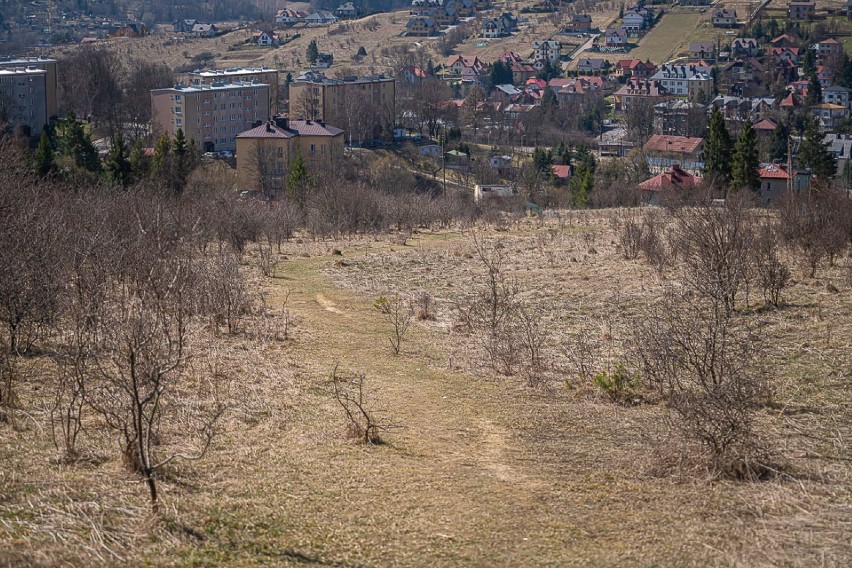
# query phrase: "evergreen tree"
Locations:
[[161, 164], [809, 62], [621, 12], [312, 52], [844, 71], [74, 142], [297, 178], [778, 143], [746, 161], [585, 159], [542, 160], [581, 185], [501, 73], [548, 100], [140, 163], [815, 155], [180, 161], [814, 91], [44, 155], [118, 168], [717, 150]]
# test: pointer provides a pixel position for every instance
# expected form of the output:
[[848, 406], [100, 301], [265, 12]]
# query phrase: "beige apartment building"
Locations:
[[342, 101], [212, 114], [265, 75], [51, 83], [23, 98]]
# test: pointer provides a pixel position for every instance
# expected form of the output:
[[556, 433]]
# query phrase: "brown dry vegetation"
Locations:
[[485, 471]]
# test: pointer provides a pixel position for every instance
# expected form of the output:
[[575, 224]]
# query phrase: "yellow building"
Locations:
[[360, 105], [265, 152]]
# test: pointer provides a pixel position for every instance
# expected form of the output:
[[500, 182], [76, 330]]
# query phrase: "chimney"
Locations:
[[269, 127], [281, 121]]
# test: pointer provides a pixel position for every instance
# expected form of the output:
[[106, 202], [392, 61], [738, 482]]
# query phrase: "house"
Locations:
[[503, 164], [672, 178], [549, 50], [411, 74], [801, 11], [464, 8], [736, 110], [580, 23], [509, 21], [421, 26], [321, 17], [724, 18], [289, 16], [183, 26], [838, 95], [591, 65], [634, 68], [578, 89], [204, 30], [825, 76], [266, 38], [446, 14], [841, 146], [774, 182], [634, 22], [765, 128], [784, 40], [777, 54], [505, 94], [484, 192], [702, 50], [265, 152], [346, 11], [679, 117], [745, 47], [685, 80], [521, 71], [664, 151], [561, 173], [639, 89], [827, 48], [466, 66], [830, 115], [324, 60], [131, 29], [492, 28], [615, 37]]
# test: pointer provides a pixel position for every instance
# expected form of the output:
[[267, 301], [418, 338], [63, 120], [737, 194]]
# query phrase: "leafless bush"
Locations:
[[629, 231], [228, 299], [425, 307], [773, 276], [398, 312], [816, 224], [653, 245], [531, 333], [361, 424]]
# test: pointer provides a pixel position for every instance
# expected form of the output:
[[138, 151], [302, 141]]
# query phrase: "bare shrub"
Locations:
[[361, 424], [398, 312], [425, 307], [629, 231], [532, 336], [773, 276], [653, 244], [227, 298]]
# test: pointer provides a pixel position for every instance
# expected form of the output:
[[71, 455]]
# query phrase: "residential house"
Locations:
[[204, 30], [634, 68], [324, 60], [578, 89], [615, 37], [184, 25], [510, 22], [765, 128], [685, 80], [663, 151], [741, 77], [591, 65], [799, 11], [265, 152], [313, 96], [265, 38], [639, 89], [775, 181], [705, 50], [464, 8], [561, 173], [466, 68], [421, 26], [745, 47], [825, 76], [492, 28], [347, 11], [838, 95], [131, 29], [679, 117], [830, 115], [724, 18], [634, 23], [736, 110], [784, 40], [411, 75], [549, 50], [321, 17], [672, 178], [211, 114], [841, 146], [446, 14], [580, 23], [505, 94], [26, 88], [827, 48], [289, 16], [521, 71], [778, 54]]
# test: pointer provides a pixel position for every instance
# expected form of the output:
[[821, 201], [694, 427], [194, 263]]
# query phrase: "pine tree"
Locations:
[[581, 186], [140, 163], [814, 91], [161, 164], [809, 62], [312, 52], [717, 150], [44, 155], [815, 155], [74, 142], [778, 143], [746, 161], [118, 169], [297, 178], [180, 161]]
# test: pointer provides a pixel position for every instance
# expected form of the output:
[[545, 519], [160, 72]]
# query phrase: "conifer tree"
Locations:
[[745, 161], [160, 165], [815, 155], [717, 150], [44, 155], [778, 143], [118, 169], [140, 163], [814, 91], [297, 178]]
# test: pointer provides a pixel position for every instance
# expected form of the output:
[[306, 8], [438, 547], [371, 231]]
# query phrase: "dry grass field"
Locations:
[[484, 470]]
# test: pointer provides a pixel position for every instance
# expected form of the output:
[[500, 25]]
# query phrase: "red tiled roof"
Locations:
[[666, 143], [294, 128], [313, 128], [266, 130], [765, 124], [772, 171], [674, 178], [562, 172]]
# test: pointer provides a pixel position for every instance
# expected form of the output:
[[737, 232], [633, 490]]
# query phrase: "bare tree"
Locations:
[[398, 312], [361, 423]]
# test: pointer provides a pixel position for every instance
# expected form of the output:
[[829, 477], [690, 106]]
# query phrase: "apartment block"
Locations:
[[51, 85], [23, 98], [315, 97], [212, 114], [265, 75]]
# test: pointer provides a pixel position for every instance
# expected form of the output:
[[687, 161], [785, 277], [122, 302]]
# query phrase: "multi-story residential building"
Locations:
[[838, 95], [634, 68], [680, 118], [213, 114], [23, 98], [315, 97], [663, 151], [829, 115], [249, 74], [421, 26], [266, 151], [801, 10], [685, 80], [826, 48], [638, 90], [51, 86], [549, 50]]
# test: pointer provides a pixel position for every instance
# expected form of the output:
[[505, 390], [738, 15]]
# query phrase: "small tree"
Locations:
[[312, 52], [118, 168], [361, 423], [398, 313], [44, 155], [297, 178]]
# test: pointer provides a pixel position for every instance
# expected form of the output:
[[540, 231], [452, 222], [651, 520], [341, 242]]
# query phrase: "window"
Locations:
[[178, 122], [313, 150]]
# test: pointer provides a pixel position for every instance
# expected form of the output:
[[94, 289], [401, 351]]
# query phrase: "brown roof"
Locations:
[[313, 128], [765, 124], [673, 177], [666, 143], [294, 128], [266, 130]]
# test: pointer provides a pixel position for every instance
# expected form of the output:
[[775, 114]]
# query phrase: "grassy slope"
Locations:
[[485, 471]]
